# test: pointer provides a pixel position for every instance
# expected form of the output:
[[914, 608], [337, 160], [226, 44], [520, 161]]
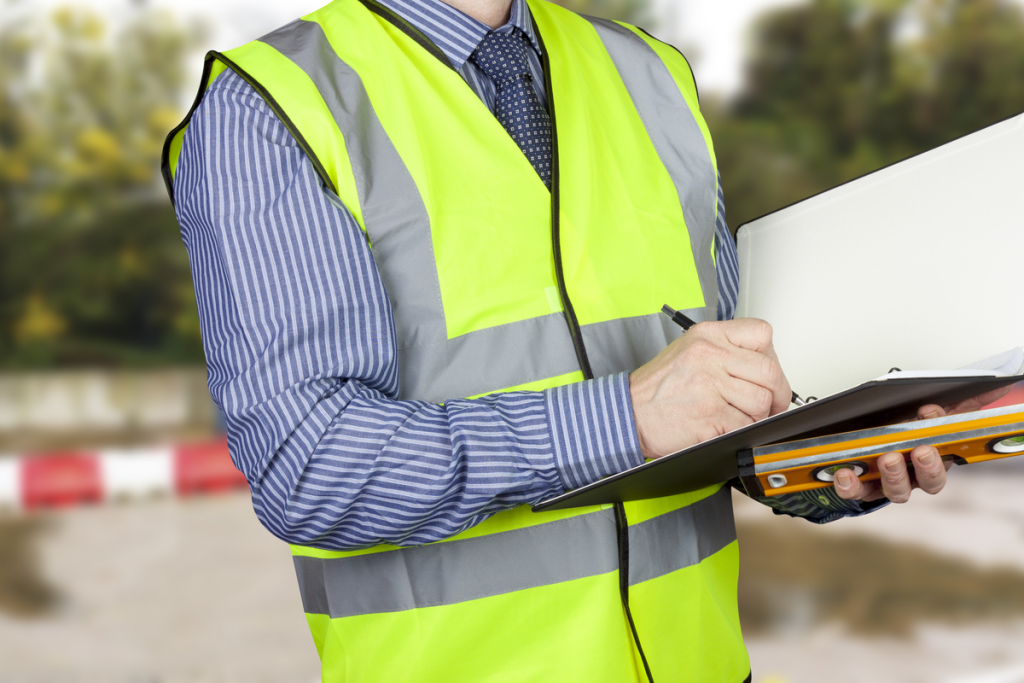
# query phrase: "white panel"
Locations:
[[12, 404], [103, 400], [52, 403], [137, 473], [10, 483], [163, 399], [917, 266]]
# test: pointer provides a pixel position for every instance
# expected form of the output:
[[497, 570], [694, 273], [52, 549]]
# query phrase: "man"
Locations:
[[396, 204]]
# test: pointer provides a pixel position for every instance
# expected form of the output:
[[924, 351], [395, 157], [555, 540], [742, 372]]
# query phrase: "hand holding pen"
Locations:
[[686, 323], [718, 377]]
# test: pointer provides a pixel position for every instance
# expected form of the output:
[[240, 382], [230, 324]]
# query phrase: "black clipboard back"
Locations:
[[871, 404]]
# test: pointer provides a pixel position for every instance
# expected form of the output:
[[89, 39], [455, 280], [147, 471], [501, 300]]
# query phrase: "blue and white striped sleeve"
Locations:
[[300, 346]]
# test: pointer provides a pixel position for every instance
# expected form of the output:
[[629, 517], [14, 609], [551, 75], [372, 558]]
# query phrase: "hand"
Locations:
[[929, 473], [717, 377]]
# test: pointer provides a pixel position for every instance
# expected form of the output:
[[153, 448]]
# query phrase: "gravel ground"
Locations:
[[163, 591], [978, 521], [196, 591]]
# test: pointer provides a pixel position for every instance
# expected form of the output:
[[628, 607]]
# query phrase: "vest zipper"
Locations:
[[621, 523], [556, 243]]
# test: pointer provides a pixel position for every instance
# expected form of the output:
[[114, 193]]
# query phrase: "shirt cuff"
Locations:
[[592, 429], [820, 506]]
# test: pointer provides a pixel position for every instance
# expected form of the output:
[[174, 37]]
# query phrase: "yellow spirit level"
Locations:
[[780, 468]]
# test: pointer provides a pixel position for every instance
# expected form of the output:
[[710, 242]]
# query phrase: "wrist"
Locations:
[[635, 392]]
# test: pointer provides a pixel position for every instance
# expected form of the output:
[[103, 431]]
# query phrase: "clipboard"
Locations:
[[872, 404]]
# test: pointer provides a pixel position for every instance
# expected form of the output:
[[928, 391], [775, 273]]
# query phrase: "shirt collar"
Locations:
[[457, 34]]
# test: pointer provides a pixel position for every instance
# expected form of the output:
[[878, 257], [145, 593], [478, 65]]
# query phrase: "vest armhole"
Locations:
[[648, 34], [285, 119], [408, 29], [165, 153], [165, 160]]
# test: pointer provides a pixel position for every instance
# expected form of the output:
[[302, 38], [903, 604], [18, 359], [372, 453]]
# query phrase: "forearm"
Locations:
[[411, 472]]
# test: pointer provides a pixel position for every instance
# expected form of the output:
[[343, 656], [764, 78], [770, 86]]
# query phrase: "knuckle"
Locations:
[[770, 370], [763, 400], [709, 410], [899, 496], [847, 493], [703, 330], [701, 347], [932, 485], [762, 329]]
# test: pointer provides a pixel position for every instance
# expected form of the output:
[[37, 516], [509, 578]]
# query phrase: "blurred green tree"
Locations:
[[837, 88], [91, 266]]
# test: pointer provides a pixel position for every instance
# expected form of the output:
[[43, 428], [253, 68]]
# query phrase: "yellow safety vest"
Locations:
[[490, 294]]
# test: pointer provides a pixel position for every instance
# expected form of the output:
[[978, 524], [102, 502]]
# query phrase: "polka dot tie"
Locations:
[[502, 56]]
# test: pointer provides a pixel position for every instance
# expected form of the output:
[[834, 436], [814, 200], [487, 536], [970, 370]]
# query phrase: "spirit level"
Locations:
[[806, 464]]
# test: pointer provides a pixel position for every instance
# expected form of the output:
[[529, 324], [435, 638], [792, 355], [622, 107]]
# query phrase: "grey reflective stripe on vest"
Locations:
[[679, 142], [431, 366], [493, 358], [681, 538], [394, 214], [625, 344], [563, 550], [489, 359]]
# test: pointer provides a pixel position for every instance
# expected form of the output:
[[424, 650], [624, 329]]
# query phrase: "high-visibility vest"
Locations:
[[491, 294]]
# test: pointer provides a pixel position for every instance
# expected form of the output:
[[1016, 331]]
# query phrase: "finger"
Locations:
[[930, 411], [980, 401], [896, 483], [748, 333], [929, 470], [875, 491], [851, 488], [751, 399], [764, 371], [732, 419]]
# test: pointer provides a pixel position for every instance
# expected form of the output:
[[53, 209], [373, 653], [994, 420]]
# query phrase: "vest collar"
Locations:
[[456, 34]]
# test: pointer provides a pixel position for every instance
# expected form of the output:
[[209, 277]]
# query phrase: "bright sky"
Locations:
[[710, 32]]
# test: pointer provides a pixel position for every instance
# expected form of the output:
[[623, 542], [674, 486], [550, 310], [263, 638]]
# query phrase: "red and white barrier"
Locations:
[[55, 480]]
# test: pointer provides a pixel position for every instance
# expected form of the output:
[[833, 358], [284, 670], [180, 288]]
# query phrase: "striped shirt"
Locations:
[[301, 352]]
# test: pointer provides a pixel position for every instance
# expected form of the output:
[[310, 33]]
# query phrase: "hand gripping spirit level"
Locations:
[[775, 469]]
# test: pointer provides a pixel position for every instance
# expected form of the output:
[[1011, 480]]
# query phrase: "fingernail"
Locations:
[[930, 414], [844, 478], [893, 466], [928, 458]]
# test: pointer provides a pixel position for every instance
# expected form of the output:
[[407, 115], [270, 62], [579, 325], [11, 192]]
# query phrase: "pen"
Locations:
[[686, 323]]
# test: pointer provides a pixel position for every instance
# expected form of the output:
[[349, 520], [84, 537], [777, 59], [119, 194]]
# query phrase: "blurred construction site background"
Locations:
[[100, 343]]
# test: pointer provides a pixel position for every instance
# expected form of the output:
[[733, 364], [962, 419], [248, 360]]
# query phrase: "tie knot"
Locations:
[[502, 56]]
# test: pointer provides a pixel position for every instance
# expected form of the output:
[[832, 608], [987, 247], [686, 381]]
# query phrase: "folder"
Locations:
[[913, 265]]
